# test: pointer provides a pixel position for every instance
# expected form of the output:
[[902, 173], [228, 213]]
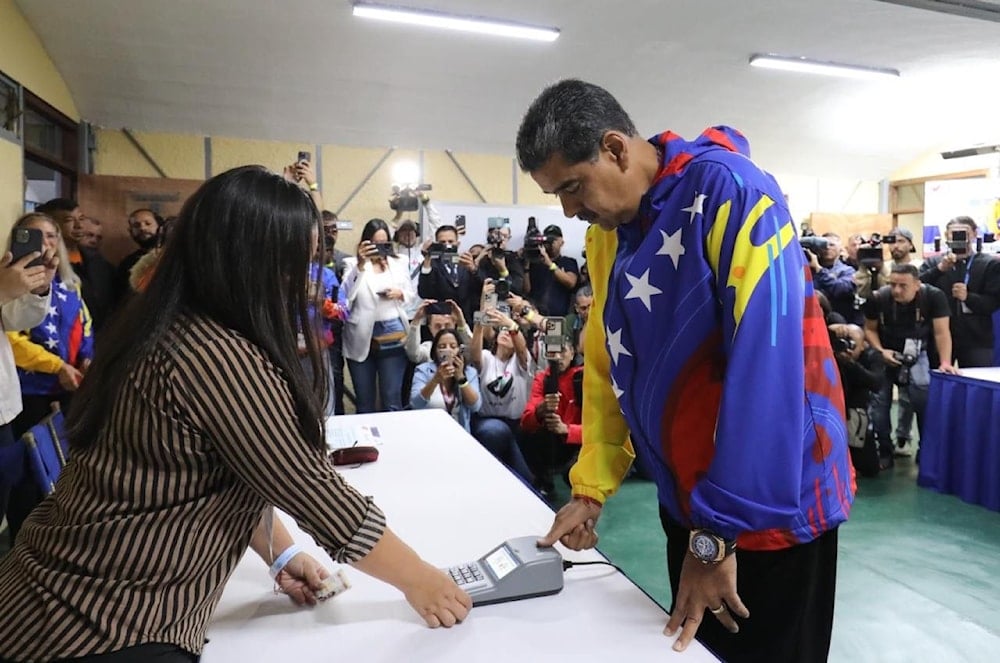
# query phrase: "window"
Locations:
[[50, 152], [10, 109]]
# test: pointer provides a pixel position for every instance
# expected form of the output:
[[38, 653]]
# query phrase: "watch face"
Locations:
[[705, 547]]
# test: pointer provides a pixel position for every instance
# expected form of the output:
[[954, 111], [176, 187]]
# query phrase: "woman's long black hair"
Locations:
[[239, 254]]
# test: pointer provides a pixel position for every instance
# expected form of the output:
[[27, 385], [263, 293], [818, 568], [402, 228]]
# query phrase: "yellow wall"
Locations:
[[931, 164], [180, 156], [23, 58], [11, 189], [843, 196]]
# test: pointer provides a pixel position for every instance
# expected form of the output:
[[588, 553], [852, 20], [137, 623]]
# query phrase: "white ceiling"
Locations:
[[307, 70]]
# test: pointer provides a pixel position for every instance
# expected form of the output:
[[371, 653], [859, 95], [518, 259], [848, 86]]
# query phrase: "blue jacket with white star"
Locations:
[[64, 336], [720, 357]]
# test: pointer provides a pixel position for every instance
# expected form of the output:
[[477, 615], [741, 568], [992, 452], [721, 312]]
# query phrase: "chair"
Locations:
[[47, 450]]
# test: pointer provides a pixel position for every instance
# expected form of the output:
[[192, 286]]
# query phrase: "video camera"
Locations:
[[534, 240], [407, 199], [813, 244], [443, 252]]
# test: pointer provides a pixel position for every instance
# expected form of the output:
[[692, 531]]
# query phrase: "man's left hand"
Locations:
[[948, 368], [960, 291], [705, 587]]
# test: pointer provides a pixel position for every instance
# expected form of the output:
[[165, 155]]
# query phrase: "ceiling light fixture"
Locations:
[[971, 151], [805, 65], [474, 24]]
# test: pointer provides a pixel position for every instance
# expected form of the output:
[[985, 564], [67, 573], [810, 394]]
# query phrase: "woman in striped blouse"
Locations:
[[197, 415]]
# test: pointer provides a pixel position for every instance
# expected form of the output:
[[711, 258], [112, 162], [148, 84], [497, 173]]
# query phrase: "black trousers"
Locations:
[[153, 652], [789, 594]]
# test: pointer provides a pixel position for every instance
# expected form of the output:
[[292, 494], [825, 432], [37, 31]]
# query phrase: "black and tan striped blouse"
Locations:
[[145, 527]]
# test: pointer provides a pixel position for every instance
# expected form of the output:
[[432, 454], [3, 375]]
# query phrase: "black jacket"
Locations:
[[465, 289], [974, 328]]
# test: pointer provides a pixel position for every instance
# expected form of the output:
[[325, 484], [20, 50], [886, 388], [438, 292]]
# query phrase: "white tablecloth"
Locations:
[[450, 500]]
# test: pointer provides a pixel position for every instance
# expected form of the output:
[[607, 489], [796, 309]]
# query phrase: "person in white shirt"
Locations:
[[24, 302], [418, 352], [378, 288], [506, 373]]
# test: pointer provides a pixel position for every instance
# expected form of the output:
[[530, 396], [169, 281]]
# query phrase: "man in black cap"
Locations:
[[903, 250], [550, 281]]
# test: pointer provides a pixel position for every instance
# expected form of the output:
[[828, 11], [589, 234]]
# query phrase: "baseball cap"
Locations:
[[903, 232], [553, 231]]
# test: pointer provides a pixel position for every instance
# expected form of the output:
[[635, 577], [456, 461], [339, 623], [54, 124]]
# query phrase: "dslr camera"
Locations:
[[841, 344], [407, 199]]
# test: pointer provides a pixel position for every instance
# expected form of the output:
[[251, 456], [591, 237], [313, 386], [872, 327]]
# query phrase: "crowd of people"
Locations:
[[895, 321], [190, 380]]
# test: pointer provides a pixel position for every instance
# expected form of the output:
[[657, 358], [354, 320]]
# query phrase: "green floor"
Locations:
[[918, 575]]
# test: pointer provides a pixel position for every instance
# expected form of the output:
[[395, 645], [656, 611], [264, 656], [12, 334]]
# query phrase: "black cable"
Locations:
[[567, 565]]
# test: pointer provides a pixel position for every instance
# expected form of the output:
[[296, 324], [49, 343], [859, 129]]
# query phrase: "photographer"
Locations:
[[832, 277], [446, 382], [553, 417], [862, 373], [447, 274], [872, 272], [411, 199], [908, 323], [551, 278], [499, 263], [438, 316], [506, 371], [971, 284]]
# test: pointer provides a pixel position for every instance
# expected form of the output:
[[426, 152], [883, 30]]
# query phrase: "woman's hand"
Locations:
[[436, 598], [392, 293], [301, 578], [445, 371], [69, 377], [459, 363], [366, 251]]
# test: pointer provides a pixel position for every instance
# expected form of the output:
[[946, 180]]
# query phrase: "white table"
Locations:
[[453, 502]]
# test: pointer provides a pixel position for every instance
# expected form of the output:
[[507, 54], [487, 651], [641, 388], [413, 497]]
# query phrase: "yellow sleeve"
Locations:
[[31, 356], [606, 453]]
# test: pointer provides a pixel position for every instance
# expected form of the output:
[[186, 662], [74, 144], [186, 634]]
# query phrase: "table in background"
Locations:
[[960, 443], [453, 502]]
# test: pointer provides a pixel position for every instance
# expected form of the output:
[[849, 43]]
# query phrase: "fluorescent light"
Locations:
[[452, 22], [805, 65]]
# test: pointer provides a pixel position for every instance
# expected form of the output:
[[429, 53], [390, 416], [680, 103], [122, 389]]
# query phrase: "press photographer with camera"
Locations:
[[871, 271], [971, 283], [378, 288], [553, 417], [831, 276], [447, 274], [437, 316], [907, 321], [446, 382], [551, 276], [862, 373], [500, 263]]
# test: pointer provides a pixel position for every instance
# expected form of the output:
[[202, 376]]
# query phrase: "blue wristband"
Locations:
[[283, 559]]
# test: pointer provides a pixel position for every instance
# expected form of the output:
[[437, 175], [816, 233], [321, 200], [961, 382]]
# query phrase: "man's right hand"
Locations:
[[948, 262], [574, 525], [17, 279], [890, 358]]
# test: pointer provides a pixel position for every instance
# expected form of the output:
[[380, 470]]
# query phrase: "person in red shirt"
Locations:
[[552, 419]]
